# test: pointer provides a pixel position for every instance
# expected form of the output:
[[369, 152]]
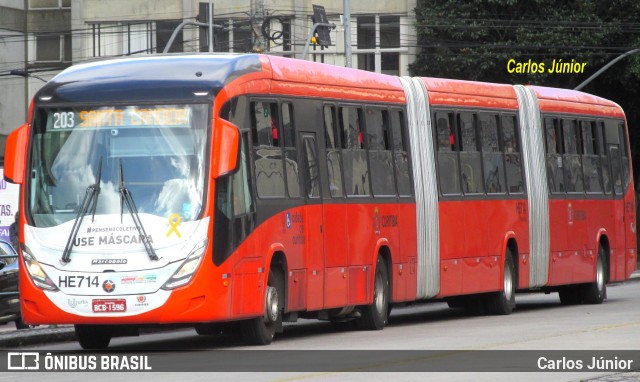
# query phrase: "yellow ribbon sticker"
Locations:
[[174, 222]]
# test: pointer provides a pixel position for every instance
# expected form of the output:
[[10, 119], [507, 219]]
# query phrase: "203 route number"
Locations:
[[109, 306]]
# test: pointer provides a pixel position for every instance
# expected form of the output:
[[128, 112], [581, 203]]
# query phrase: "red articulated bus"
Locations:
[[235, 192]]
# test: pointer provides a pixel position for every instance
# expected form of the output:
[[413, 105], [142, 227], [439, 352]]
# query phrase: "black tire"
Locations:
[[20, 325], [375, 316], [596, 292], [93, 337], [570, 295], [208, 329], [261, 330], [455, 302], [503, 302]]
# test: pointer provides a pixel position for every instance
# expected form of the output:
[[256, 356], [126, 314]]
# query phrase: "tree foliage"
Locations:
[[475, 39]]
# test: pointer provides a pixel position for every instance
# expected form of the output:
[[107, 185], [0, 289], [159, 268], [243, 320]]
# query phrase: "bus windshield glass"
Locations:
[[161, 150]]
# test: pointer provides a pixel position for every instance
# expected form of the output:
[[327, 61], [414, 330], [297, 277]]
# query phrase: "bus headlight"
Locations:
[[36, 273], [188, 268]]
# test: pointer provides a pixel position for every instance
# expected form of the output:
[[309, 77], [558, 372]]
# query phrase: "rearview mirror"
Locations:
[[15, 155], [226, 140]]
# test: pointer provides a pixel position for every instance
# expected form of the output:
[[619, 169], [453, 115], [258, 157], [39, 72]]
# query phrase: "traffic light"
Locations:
[[323, 38]]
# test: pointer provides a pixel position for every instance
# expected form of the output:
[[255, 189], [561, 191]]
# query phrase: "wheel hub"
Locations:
[[271, 305]]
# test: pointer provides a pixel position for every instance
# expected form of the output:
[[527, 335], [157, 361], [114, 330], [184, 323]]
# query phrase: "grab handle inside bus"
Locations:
[[15, 155], [226, 140]]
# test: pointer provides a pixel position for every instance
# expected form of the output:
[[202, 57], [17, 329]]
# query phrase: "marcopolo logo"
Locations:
[[108, 261]]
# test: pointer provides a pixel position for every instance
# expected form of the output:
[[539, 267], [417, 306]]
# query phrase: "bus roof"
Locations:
[[470, 93], [147, 78], [572, 101]]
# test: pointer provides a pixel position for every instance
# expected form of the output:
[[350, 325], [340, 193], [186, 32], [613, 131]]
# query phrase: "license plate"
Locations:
[[109, 306]]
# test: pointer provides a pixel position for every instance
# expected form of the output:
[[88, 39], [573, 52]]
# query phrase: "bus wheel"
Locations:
[[261, 330], [596, 292], [504, 301], [376, 315], [93, 337]]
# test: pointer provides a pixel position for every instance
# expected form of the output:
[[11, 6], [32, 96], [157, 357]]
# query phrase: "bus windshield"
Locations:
[[157, 152]]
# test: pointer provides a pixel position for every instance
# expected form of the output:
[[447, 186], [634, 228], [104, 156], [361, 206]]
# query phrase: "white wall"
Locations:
[[12, 88]]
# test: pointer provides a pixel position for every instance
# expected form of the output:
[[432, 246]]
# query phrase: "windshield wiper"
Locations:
[[125, 197], [90, 199]]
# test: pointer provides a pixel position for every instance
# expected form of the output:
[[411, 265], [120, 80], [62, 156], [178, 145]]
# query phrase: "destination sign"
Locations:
[[169, 116]]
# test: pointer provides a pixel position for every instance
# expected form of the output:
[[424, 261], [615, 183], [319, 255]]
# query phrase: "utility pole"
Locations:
[[347, 32], [257, 18], [210, 16]]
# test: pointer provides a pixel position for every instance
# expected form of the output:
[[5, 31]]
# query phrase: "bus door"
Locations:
[[334, 207], [314, 246]]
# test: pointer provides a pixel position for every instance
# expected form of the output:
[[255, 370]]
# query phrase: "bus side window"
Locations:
[[242, 201], [268, 161], [555, 169], [604, 157], [354, 155], [380, 155], [571, 158], [448, 173], [310, 160], [334, 156], [591, 158], [626, 158], [400, 152], [512, 155], [492, 158], [290, 155], [470, 157]]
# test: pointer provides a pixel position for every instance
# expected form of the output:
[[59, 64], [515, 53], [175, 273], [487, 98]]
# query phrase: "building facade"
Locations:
[[38, 38]]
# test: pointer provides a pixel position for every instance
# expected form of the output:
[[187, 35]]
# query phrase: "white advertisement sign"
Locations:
[[9, 198]]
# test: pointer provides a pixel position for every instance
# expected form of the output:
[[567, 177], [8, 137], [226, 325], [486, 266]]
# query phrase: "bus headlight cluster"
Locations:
[[36, 273], [188, 268]]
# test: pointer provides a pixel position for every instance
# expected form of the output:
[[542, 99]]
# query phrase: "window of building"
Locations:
[[378, 45], [366, 32], [118, 39], [48, 48], [164, 30], [49, 4]]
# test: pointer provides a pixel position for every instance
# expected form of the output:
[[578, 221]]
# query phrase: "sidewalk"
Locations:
[[42, 335]]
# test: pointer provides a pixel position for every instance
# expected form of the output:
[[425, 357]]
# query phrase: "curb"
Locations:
[[36, 336]]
